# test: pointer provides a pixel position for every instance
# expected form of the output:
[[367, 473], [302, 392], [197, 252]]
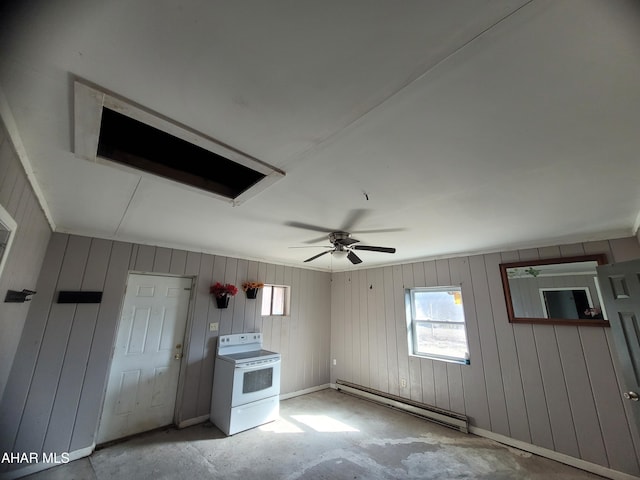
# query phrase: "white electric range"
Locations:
[[246, 383]]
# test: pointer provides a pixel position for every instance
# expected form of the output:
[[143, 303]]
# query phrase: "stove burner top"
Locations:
[[250, 355]]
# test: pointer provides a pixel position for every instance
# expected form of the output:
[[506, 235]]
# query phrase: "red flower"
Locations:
[[220, 290]]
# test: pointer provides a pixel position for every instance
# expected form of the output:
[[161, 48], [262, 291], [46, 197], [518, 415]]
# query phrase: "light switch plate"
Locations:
[[213, 327]]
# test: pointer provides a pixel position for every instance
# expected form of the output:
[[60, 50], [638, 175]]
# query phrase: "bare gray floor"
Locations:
[[323, 435]]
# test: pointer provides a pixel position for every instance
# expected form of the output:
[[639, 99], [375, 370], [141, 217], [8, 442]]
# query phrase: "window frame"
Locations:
[[286, 300], [412, 322], [7, 221]]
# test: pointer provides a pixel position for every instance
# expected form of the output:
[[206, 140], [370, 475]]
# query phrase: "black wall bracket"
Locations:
[[14, 296], [79, 297]]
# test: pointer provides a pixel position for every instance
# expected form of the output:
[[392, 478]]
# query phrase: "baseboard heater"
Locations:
[[440, 416]]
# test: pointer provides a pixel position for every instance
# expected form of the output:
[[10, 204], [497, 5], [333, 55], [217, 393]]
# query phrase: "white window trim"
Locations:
[[287, 301], [409, 307], [11, 224]]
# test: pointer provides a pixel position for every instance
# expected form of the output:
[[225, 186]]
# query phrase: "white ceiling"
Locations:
[[470, 125]]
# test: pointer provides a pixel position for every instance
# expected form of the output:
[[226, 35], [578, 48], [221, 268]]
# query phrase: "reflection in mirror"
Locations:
[[560, 290]]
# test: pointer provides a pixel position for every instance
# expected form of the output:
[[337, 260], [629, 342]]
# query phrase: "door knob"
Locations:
[[633, 396], [178, 356]]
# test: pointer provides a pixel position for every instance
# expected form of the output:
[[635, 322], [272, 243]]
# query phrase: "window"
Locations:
[[435, 320], [7, 229], [275, 300]]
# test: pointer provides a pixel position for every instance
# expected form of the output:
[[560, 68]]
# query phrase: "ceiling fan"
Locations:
[[343, 246]]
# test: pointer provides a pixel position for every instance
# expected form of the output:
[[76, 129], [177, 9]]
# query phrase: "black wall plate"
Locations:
[[79, 297]]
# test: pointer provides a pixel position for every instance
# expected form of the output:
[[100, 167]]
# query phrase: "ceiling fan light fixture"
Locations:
[[339, 253]]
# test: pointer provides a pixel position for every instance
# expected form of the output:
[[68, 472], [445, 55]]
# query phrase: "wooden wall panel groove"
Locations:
[[365, 328], [20, 379], [76, 357], [145, 258], [512, 379], [161, 260], [94, 383], [474, 387], [197, 386], [583, 408], [337, 326], [383, 361], [390, 329], [45, 381], [178, 262], [414, 384], [488, 340], [25, 258]]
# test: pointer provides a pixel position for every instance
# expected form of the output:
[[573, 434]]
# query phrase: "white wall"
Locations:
[[552, 386]]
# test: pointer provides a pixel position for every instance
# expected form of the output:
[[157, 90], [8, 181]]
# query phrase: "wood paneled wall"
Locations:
[[25, 258], [54, 396], [551, 386]]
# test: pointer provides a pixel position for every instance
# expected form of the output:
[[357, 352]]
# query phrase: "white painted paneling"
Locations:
[[57, 388], [27, 252], [552, 386]]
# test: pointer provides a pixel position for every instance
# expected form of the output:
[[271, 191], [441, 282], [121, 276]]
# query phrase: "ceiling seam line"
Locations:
[[317, 146], [124, 214]]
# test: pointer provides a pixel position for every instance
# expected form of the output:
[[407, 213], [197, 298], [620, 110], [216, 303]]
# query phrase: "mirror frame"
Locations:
[[601, 259]]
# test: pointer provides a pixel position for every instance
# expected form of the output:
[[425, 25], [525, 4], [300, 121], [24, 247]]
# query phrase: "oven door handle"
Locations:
[[271, 363]]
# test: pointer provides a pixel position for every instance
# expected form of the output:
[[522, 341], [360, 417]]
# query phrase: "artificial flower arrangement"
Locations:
[[251, 285], [220, 290]]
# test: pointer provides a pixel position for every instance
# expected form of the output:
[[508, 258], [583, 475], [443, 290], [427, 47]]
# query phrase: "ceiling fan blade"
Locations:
[[374, 249], [380, 230], [319, 255], [347, 241], [353, 258], [307, 226], [354, 217]]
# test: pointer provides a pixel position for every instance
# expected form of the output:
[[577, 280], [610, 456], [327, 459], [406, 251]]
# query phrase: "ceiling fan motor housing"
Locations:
[[341, 239]]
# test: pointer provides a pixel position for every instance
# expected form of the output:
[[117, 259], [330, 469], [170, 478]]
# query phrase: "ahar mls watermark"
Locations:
[[35, 457]]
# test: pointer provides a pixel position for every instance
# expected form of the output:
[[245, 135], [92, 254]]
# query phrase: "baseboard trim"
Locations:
[[553, 455], [297, 393], [193, 421], [446, 418], [545, 452], [38, 467]]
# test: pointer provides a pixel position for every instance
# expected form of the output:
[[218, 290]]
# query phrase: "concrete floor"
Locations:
[[323, 435]]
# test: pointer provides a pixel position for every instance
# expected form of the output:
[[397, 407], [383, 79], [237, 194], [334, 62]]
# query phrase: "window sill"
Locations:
[[459, 361]]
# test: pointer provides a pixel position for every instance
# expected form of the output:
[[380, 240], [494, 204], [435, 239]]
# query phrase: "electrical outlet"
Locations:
[[403, 383], [335, 362], [213, 327]]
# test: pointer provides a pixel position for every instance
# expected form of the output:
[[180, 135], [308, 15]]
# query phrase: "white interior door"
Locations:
[[620, 285], [143, 380]]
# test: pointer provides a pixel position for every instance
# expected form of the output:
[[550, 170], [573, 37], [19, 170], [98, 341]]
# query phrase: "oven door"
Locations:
[[255, 382]]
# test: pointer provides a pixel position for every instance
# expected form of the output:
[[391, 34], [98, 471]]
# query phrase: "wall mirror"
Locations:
[[7, 230], [555, 291]]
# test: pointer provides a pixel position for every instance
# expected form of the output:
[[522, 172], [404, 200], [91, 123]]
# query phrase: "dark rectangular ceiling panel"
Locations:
[[133, 143]]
